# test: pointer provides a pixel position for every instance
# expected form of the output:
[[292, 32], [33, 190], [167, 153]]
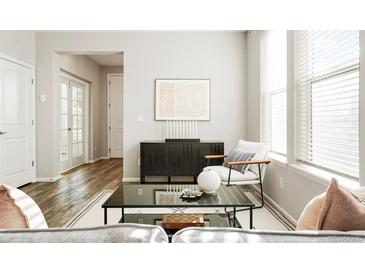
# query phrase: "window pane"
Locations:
[[63, 122], [273, 89], [64, 106], [328, 100], [64, 138]]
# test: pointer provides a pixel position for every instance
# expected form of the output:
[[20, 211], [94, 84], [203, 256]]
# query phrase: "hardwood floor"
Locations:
[[61, 200]]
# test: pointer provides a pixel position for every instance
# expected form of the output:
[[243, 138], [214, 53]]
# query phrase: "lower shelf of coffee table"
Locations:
[[210, 220]]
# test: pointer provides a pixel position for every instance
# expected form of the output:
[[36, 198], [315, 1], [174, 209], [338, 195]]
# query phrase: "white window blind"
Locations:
[[327, 100], [273, 89]]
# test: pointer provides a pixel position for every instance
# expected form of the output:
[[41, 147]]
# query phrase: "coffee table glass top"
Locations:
[[168, 195]]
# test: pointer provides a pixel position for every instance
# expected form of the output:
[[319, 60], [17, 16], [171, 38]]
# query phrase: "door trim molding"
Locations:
[[108, 108]]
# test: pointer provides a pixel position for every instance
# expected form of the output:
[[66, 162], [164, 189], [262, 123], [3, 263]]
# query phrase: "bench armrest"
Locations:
[[215, 156], [248, 162]]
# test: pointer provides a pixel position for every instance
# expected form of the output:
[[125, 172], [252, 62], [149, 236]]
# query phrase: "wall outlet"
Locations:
[[139, 161], [140, 191], [281, 182]]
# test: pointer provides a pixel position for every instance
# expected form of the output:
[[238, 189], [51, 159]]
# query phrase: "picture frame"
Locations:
[[182, 99]]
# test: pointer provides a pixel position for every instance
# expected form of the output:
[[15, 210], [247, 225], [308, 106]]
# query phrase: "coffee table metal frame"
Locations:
[[249, 206]]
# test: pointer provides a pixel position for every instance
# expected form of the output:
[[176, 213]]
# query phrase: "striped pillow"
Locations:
[[237, 156]]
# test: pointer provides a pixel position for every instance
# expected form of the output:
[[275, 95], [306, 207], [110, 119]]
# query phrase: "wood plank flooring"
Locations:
[[61, 200]]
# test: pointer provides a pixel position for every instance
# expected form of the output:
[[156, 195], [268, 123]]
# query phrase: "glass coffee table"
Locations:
[[147, 196]]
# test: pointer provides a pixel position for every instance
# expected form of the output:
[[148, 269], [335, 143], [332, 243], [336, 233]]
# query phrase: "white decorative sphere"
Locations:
[[209, 181]]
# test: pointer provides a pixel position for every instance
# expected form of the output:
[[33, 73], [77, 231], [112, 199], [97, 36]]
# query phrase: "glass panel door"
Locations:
[[71, 124], [77, 118], [64, 126]]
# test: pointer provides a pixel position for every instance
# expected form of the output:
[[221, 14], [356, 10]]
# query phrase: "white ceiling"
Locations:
[[107, 59]]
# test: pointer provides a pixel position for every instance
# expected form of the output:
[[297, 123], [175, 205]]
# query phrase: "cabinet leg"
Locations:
[[169, 179]]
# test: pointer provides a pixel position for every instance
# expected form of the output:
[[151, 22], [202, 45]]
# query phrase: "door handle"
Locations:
[[2, 132], [69, 129]]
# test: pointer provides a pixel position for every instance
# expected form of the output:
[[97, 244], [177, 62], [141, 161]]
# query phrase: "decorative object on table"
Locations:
[[189, 193], [181, 129], [179, 221], [209, 181], [254, 169], [182, 99]]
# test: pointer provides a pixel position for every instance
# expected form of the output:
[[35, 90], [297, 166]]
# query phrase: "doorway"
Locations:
[[115, 115], [73, 122]]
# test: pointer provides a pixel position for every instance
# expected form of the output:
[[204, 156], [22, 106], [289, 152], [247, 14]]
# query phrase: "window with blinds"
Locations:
[[327, 100], [273, 89]]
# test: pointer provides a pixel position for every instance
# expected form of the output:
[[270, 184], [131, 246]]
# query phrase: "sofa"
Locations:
[[138, 233], [237, 235], [121, 233]]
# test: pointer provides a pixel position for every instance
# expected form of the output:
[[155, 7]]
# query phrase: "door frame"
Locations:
[[108, 109], [32, 106], [86, 84]]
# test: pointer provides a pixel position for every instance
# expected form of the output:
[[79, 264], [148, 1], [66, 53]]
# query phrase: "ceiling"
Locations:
[[107, 59]]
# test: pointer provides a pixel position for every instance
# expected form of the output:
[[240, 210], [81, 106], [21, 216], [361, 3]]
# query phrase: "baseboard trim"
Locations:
[[279, 208], [130, 180], [98, 159], [49, 180]]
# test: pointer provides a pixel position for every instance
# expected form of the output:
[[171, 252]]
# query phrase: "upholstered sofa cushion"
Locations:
[[18, 210], [121, 233], [236, 176], [236, 235]]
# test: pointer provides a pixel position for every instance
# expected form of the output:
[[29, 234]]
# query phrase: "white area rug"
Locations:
[[93, 214]]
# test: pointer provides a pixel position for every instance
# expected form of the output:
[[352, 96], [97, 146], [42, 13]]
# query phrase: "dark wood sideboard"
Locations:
[[180, 158]]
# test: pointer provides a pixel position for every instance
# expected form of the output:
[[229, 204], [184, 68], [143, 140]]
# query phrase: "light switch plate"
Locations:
[[140, 118]]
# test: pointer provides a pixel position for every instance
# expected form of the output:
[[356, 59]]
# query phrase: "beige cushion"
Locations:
[[336, 209], [235, 175], [16, 206], [11, 216], [342, 210], [308, 220]]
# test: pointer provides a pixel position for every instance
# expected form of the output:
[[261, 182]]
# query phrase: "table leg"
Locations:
[[234, 217], [122, 214], [251, 217], [105, 215]]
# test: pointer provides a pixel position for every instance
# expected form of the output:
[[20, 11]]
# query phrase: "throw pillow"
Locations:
[[308, 220], [237, 156], [11, 217], [342, 210], [18, 210]]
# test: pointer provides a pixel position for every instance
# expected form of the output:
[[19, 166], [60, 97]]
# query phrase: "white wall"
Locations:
[[219, 56], [86, 69], [19, 45]]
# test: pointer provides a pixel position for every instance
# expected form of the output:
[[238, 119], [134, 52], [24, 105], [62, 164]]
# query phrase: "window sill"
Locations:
[[278, 159], [323, 177]]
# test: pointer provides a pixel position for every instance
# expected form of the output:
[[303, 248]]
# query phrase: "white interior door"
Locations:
[[116, 115], [72, 124], [17, 137]]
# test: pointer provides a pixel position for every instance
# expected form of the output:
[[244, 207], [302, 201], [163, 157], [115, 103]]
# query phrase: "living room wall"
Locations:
[[19, 45], [219, 56]]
